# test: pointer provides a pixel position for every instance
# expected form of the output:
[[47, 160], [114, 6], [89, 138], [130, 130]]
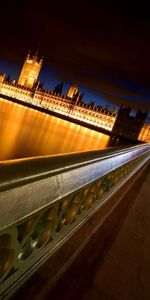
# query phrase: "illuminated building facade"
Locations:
[[73, 90], [2, 77], [127, 125], [144, 135], [28, 90], [60, 104], [30, 71]]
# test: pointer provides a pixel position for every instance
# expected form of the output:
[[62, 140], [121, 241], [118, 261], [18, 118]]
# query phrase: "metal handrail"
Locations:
[[22, 171], [28, 185]]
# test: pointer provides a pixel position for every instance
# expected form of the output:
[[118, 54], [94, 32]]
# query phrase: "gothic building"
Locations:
[[30, 71], [127, 125], [29, 89]]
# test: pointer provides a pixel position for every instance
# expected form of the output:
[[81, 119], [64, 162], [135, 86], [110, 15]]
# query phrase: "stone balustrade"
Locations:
[[44, 200]]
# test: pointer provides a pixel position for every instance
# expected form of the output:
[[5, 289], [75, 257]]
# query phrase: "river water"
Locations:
[[25, 132]]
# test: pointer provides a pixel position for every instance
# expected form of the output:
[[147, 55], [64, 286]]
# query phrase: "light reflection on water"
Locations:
[[25, 132]]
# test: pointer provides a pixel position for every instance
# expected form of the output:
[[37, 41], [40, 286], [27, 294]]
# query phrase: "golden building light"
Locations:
[[144, 135], [73, 90], [2, 77], [51, 101], [30, 71]]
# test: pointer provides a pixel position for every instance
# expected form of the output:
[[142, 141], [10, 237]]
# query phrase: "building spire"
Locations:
[[37, 50], [28, 55]]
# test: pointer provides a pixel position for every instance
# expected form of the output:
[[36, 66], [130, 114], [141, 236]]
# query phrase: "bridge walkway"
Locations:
[[122, 270], [115, 264]]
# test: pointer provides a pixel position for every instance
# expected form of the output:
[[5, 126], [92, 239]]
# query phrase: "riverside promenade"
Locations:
[[115, 264]]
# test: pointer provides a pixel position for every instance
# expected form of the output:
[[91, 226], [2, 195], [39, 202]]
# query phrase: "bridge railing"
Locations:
[[44, 200]]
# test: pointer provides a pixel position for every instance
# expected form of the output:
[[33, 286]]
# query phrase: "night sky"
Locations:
[[104, 48]]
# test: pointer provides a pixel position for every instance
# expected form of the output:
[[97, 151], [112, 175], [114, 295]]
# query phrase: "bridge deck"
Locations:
[[112, 266]]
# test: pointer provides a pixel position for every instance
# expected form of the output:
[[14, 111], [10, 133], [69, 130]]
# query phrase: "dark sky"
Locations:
[[104, 47]]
